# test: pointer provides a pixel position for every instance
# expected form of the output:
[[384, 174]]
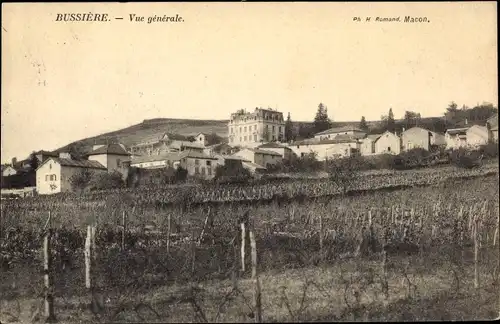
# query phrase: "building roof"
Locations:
[[195, 155], [264, 152], [323, 142], [47, 153], [173, 156], [340, 130], [373, 137], [346, 137], [112, 149], [493, 122], [235, 157], [272, 145], [75, 163], [253, 165], [455, 131]]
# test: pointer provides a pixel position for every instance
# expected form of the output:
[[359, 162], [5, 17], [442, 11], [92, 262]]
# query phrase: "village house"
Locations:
[[285, 151], [181, 146], [477, 135], [164, 160], [456, 138], [341, 146], [386, 143], [248, 129], [8, 170], [198, 164], [221, 149], [417, 137], [156, 144], [202, 139], [345, 130], [260, 157], [492, 125], [114, 157], [53, 175]]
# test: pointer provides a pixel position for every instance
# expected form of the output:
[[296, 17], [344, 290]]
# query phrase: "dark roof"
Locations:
[[113, 149], [195, 155], [454, 131], [273, 145], [172, 156], [47, 153], [264, 152], [76, 163], [340, 130]]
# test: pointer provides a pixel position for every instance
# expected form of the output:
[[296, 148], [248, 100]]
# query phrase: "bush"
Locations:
[[465, 158], [103, 181], [489, 150], [80, 180], [230, 173]]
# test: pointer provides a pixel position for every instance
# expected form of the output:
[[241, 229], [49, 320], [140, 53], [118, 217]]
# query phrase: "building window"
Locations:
[[118, 163], [245, 129], [273, 128], [196, 162], [209, 171], [46, 177], [209, 162], [202, 171], [389, 149]]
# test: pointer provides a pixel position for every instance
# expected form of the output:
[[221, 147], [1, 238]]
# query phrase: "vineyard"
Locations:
[[175, 254]]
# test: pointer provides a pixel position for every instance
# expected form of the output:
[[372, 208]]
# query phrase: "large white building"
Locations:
[[248, 129]]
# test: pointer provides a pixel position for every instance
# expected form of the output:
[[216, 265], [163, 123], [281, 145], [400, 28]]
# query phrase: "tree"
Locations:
[[391, 124], [411, 119], [288, 128], [33, 161], [105, 180], [80, 180], [362, 124], [321, 120]]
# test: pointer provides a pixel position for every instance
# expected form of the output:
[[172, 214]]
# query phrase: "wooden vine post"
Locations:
[[255, 278], [124, 229], [321, 236], [47, 270], [243, 237], [168, 233], [476, 253]]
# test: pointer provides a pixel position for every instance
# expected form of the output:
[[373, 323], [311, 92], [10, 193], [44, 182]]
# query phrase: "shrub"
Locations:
[[80, 180], [231, 173], [102, 181], [465, 158], [489, 150]]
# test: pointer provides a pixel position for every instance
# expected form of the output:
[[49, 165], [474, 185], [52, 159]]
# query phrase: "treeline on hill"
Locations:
[[452, 117]]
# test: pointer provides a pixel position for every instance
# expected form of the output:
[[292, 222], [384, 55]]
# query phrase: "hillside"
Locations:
[[153, 128]]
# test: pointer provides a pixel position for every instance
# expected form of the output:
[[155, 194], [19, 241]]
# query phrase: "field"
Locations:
[[424, 246]]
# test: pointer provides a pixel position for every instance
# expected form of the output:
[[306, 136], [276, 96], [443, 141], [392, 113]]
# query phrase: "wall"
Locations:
[[454, 141], [415, 138], [388, 143], [8, 171], [324, 151], [477, 136], [246, 154], [112, 162], [204, 170], [367, 147], [332, 135], [43, 185], [265, 159]]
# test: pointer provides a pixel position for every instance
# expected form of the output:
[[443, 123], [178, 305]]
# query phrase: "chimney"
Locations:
[[14, 161], [466, 121]]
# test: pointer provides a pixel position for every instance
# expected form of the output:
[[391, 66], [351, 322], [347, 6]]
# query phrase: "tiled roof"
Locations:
[[373, 137], [114, 149], [347, 137], [235, 157], [264, 152], [175, 156], [340, 130], [77, 163], [47, 153], [195, 155], [272, 145], [323, 142], [253, 165], [493, 121], [454, 131]]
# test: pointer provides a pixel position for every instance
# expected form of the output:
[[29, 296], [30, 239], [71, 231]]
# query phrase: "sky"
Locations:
[[65, 81]]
